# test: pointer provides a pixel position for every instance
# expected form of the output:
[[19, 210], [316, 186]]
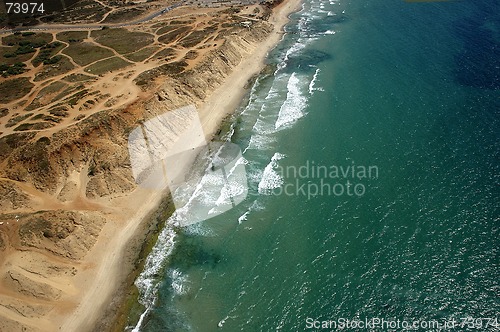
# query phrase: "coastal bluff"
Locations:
[[72, 216]]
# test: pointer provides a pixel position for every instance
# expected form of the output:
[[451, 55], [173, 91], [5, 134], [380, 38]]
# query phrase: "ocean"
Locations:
[[372, 158]]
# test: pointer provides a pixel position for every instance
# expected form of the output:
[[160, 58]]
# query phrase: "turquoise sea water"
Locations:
[[411, 90]]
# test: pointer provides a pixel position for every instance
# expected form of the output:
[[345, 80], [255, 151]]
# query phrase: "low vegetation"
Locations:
[[47, 54], [77, 78], [52, 88], [14, 89], [85, 53], [107, 65], [173, 35], [17, 38], [141, 55], [11, 70], [122, 40], [196, 37], [124, 15], [75, 71], [33, 126], [18, 118], [166, 54], [171, 69], [72, 36], [56, 67], [85, 11]]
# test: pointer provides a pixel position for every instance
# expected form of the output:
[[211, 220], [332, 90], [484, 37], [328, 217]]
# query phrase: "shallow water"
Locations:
[[408, 89]]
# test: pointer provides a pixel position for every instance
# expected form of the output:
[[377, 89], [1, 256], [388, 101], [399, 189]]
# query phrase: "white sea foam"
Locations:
[[180, 283], [199, 229], [141, 319], [231, 189], [294, 105], [222, 186], [243, 217], [147, 282], [263, 128], [270, 178], [267, 179], [297, 47], [312, 85], [256, 206], [254, 174], [259, 142]]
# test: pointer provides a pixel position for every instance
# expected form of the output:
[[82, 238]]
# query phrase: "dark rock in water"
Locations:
[[329, 21], [478, 63], [312, 28], [188, 253], [306, 62]]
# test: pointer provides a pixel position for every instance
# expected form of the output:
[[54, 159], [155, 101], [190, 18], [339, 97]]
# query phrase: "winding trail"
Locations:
[[72, 27]]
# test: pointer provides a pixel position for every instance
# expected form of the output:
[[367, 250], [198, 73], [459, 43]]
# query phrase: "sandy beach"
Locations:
[[105, 268], [228, 96]]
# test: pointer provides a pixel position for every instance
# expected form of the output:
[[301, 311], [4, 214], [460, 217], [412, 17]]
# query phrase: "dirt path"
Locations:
[[72, 27], [82, 288]]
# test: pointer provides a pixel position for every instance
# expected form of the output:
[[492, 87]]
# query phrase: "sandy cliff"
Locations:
[[69, 203]]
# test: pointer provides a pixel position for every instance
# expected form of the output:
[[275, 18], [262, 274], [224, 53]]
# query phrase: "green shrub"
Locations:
[[52, 60], [25, 49]]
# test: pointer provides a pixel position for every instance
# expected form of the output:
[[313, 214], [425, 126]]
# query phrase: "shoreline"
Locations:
[[109, 287], [229, 95]]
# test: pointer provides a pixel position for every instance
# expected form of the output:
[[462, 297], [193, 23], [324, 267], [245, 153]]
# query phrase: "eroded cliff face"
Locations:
[[58, 191], [194, 85]]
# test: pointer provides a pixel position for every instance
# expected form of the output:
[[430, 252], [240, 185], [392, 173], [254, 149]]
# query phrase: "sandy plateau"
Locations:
[[70, 210]]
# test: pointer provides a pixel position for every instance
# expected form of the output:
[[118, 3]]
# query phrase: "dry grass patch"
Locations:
[[107, 65], [59, 111], [171, 69], [66, 92], [44, 94], [72, 36], [34, 126], [16, 119], [195, 38], [7, 58], [47, 52], [13, 89], [83, 11], [123, 15], [40, 38], [166, 28], [166, 54], [78, 78], [122, 40], [174, 35], [191, 55], [86, 53], [142, 55], [77, 97], [59, 68]]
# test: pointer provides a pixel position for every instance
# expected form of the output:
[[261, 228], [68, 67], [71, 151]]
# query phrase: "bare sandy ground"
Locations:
[[105, 272]]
